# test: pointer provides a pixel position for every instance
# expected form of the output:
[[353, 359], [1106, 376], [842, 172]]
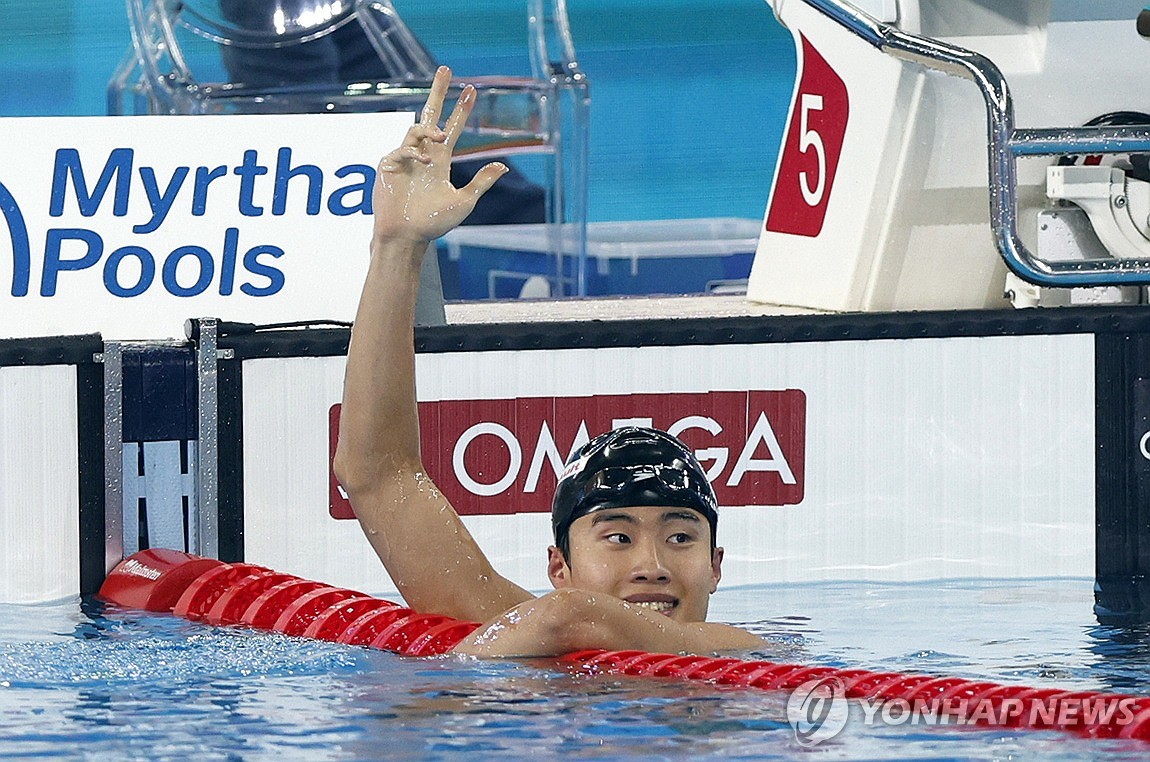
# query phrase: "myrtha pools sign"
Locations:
[[127, 226]]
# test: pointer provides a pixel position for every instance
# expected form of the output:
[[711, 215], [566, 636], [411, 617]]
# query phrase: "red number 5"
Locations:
[[809, 138], [810, 150]]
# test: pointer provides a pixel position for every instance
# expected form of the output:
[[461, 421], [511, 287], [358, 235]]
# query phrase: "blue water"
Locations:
[[78, 682]]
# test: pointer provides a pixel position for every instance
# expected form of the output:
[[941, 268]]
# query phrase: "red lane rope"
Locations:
[[218, 593], [211, 591]]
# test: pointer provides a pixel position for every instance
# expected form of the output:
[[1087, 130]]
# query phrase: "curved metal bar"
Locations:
[[1005, 145], [852, 18]]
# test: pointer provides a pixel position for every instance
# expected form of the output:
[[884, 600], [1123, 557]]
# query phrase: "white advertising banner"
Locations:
[[891, 460], [39, 484], [127, 226]]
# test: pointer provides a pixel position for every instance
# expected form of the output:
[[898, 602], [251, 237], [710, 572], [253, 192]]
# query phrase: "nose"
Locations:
[[648, 563]]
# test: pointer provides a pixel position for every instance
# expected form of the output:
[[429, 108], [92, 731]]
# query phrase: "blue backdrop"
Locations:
[[689, 98]]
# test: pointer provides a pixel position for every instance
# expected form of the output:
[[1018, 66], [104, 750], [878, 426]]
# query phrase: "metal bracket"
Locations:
[[208, 355], [112, 358]]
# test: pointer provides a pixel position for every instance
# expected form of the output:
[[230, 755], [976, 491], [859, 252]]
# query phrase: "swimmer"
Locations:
[[634, 562]]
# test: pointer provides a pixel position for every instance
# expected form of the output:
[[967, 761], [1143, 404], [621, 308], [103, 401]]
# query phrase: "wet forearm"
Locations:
[[379, 426], [571, 620]]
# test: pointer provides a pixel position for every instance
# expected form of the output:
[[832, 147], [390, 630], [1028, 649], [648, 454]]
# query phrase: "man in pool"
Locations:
[[634, 561]]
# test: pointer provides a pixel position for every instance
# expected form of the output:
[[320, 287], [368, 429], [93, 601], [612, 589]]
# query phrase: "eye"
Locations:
[[680, 538], [618, 538]]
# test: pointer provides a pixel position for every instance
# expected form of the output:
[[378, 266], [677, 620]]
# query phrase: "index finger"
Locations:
[[434, 106], [459, 115]]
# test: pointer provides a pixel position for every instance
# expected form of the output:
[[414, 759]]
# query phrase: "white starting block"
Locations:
[[882, 198]]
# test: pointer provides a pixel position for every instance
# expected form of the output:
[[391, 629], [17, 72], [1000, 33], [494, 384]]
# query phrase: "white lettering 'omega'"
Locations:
[[547, 451], [459, 465], [762, 434]]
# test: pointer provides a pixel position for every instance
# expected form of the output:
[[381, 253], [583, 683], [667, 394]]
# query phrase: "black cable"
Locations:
[[233, 328], [297, 324]]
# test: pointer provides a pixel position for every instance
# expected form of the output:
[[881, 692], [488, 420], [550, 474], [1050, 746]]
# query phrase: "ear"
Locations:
[[716, 568], [557, 570]]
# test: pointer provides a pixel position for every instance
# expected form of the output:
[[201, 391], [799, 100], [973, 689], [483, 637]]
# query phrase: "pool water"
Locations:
[[80, 680]]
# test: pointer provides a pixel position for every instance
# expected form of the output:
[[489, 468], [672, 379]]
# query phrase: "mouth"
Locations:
[[659, 604]]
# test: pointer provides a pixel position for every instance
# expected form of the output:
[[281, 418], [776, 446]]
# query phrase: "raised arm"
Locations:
[[429, 554]]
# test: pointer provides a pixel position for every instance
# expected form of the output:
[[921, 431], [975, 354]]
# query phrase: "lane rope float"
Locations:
[[218, 593]]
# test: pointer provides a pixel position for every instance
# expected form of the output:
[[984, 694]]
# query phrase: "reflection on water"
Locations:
[[1123, 653], [79, 681]]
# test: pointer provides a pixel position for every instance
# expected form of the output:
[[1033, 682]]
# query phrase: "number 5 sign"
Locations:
[[811, 148]]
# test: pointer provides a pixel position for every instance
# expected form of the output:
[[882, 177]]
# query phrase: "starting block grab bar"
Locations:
[[1005, 145]]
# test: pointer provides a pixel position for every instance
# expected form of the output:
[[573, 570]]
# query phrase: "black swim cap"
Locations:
[[630, 467]]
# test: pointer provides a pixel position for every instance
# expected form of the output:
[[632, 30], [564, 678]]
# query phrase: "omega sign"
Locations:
[[503, 456]]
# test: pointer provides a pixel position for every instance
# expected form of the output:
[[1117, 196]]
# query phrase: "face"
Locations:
[[656, 557]]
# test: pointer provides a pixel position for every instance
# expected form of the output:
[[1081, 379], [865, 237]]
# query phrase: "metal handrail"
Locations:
[[1005, 145]]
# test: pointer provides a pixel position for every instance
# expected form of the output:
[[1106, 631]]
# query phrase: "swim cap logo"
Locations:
[[574, 467], [817, 711], [18, 235]]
